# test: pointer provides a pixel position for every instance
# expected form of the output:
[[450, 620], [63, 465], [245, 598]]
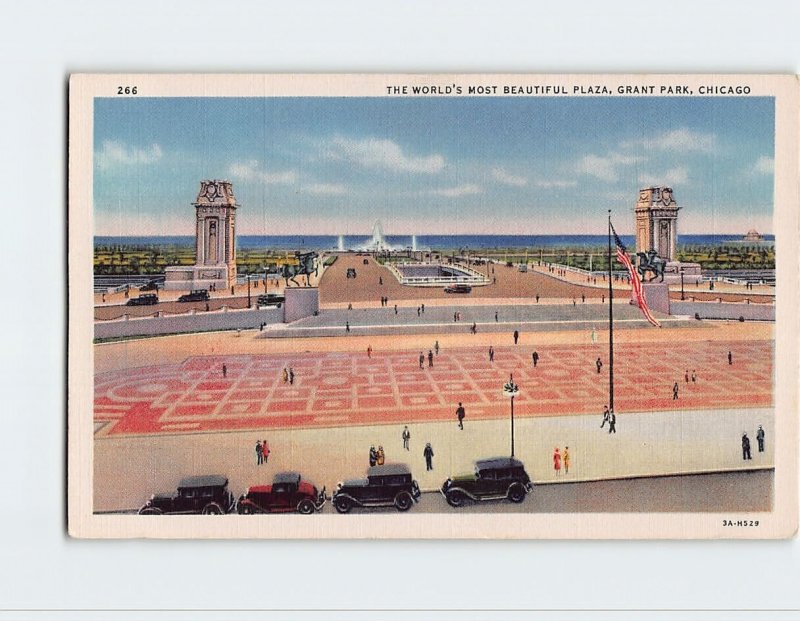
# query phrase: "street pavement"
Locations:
[[646, 444]]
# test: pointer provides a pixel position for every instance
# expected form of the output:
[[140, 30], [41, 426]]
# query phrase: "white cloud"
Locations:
[[682, 140], [555, 183], [326, 189], [498, 174], [672, 177], [764, 165], [114, 153], [464, 189], [386, 154], [252, 171], [605, 167]]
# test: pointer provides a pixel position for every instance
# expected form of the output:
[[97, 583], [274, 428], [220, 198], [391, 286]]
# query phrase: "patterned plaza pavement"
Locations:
[[333, 389]]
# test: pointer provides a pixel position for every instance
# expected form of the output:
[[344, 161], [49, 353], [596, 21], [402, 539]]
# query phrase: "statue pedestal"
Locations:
[[300, 302], [656, 294]]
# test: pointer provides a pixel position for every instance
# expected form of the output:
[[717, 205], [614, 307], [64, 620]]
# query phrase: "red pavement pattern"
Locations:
[[345, 388]]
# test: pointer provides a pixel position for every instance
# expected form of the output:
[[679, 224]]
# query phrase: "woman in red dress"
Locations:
[[557, 461]]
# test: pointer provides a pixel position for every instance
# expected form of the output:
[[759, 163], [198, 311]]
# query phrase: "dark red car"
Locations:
[[288, 493]]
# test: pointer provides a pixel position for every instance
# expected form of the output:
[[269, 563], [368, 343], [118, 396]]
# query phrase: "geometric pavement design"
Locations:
[[333, 389]]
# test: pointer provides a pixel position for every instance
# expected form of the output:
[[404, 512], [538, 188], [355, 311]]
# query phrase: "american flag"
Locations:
[[636, 283]]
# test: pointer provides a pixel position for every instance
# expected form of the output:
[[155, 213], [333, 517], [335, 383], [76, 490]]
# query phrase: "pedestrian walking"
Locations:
[[224, 371], [291, 375], [436, 347], [428, 453], [730, 358], [694, 376], [760, 438], [573, 302], [265, 451], [430, 358], [395, 309], [380, 280], [474, 328], [285, 375], [686, 375], [418, 311], [373, 456], [381, 456], [599, 364], [557, 461], [537, 298], [421, 360], [460, 414], [535, 358], [491, 353], [565, 457], [606, 416], [583, 298], [516, 336], [612, 422], [423, 309], [369, 351], [455, 317], [594, 335], [675, 391], [495, 317], [259, 453], [745, 447], [406, 437], [347, 326]]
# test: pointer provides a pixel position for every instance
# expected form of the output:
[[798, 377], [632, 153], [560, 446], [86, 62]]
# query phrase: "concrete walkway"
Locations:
[[646, 444]]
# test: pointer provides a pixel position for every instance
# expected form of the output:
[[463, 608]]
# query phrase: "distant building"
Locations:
[[753, 236], [657, 222], [215, 241]]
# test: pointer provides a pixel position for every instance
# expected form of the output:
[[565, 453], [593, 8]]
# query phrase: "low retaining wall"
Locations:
[[199, 322], [724, 310]]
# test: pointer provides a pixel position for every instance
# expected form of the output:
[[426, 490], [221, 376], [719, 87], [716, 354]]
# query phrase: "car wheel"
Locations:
[[149, 511], [455, 498], [403, 501], [306, 507], [212, 509], [516, 493], [245, 509], [343, 505]]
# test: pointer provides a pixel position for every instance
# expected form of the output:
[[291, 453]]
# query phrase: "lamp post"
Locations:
[[248, 291], [683, 297], [510, 389]]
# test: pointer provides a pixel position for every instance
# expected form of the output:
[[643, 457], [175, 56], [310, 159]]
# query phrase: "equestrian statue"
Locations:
[[306, 265], [650, 262]]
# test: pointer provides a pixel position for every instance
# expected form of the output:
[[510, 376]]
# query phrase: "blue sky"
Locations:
[[433, 165]]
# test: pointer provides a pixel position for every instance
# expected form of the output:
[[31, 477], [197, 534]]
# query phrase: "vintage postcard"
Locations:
[[433, 306]]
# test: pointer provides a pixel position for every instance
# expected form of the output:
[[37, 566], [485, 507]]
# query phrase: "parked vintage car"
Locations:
[[351, 272], [149, 286], [146, 299], [460, 288], [200, 295], [492, 479], [206, 494], [270, 299], [288, 493], [387, 485]]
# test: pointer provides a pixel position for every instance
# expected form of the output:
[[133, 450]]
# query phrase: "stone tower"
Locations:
[[215, 241], [657, 222]]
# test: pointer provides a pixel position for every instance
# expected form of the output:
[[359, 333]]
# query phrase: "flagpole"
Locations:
[[610, 324]]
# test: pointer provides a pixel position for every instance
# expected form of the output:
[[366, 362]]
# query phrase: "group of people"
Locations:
[[376, 457], [560, 458], [288, 375], [760, 438], [610, 418], [262, 452], [430, 358]]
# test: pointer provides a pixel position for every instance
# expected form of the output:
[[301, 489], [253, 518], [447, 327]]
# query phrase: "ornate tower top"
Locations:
[[216, 193], [656, 197]]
